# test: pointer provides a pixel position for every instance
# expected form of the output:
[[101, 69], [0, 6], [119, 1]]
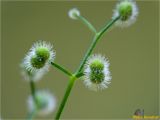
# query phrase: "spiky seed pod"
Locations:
[[96, 72], [37, 60], [128, 12]]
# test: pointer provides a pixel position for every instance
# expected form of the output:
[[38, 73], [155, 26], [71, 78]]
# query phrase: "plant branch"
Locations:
[[61, 68], [87, 23], [94, 42], [33, 92], [31, 115], [66, 95], [80, 74]]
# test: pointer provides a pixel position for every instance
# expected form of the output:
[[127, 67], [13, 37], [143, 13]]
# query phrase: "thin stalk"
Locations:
[[94, 42], [33, 92], [88, 24], [31, 115], [108, 25], [79, 74], [66, 95], [61, 68]]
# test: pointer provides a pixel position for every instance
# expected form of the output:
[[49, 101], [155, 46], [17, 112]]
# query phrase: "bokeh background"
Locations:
[[133, 55]]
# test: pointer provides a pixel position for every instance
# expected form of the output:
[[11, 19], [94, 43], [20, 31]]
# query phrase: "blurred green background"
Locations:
[[133, 55]]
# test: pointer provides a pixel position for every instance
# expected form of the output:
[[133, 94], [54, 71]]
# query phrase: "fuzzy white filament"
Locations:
[[34, 75], [96, 73]]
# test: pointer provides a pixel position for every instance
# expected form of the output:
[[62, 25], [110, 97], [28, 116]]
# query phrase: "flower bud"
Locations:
[[46, 103], [125, 10], [39, 57], [96, 73], [128, 12], [74, 13], [37, 61]]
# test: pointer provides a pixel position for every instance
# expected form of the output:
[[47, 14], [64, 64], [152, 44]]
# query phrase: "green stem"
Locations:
[[80, 74], [61, 68], [33, 92], [108, 25], [87, 23], [31, 115], [66, 95], [94, 42]]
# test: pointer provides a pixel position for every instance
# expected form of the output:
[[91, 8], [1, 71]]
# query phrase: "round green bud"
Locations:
[[42, 52], [97, 64], [125, 10], [38, 62], [97, 74]]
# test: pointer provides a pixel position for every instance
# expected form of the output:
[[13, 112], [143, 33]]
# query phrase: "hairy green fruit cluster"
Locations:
[[97, 75], [39, 60], [125, 10]]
